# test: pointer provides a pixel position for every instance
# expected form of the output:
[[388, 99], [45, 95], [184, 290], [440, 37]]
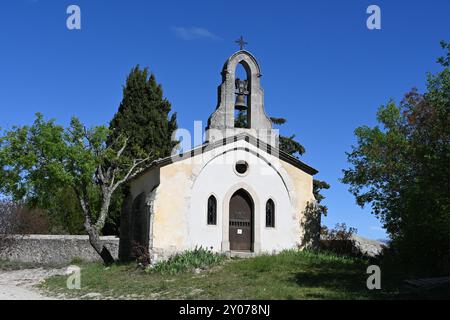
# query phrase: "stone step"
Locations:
[[242, 254]]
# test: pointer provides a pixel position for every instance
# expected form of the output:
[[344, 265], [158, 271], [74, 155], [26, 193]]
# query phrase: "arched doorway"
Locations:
[[241, 223]]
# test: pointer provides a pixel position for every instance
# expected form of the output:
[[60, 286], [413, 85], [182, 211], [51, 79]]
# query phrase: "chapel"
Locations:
[[237, 193]]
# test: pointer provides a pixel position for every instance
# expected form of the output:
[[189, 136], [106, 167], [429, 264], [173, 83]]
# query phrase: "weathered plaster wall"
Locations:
[[52, 249], [170, 226], [145, 183], [301, 194], [267, 178], [180, 216]]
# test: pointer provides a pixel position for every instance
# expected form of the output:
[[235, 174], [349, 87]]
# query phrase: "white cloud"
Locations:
[[193, 33], [374, 228]]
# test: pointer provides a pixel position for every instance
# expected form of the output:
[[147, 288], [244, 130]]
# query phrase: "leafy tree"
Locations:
[[445, 60], [38, 161], [318, 186], [143, 116], [65, 213], [401, 169]]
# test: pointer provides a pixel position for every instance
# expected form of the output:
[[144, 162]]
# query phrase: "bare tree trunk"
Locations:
[[94, 233], [99, 247], [108, 182]]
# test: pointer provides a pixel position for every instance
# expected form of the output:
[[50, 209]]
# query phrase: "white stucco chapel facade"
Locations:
[[235, 193]]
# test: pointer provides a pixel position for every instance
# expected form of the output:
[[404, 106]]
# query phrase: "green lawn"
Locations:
[[289, 275]]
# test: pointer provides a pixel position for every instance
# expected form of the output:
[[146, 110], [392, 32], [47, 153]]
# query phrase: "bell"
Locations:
[[241, 104]]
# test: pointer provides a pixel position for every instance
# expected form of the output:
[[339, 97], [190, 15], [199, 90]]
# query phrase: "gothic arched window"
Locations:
[[270, 214], [212, 210]]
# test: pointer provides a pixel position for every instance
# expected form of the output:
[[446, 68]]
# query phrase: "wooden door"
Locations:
[[241, 222]]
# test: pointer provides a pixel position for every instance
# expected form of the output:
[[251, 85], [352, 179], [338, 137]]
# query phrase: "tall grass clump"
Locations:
[[199, 258]]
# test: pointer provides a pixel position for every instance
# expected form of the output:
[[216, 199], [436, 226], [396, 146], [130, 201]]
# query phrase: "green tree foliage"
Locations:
[[318, 186], [22, 150], [65, 213], [288, 144], [143, 116], [30, 162], [401, 168], [240, 120], [445, 60], [40, 161]]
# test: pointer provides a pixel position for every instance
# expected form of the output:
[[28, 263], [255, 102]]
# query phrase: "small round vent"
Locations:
[[241, 167]]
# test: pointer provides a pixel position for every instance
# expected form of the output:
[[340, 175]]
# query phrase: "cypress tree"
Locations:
[[143, 117]]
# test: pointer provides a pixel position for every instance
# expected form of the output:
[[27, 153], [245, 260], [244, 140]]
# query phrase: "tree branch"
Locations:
[[131, 172], [119, 153]]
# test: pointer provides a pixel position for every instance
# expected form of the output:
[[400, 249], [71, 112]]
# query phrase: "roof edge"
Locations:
[[222, 142]]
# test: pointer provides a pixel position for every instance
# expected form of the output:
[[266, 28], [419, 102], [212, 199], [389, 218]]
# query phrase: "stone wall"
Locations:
[[52, 249]]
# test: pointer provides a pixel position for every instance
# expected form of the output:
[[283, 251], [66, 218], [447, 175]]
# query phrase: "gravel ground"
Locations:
[[19, 284]]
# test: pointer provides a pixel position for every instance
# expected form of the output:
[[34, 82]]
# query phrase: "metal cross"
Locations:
[[241, 43]]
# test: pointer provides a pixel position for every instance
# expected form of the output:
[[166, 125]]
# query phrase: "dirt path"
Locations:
[[19, 284]]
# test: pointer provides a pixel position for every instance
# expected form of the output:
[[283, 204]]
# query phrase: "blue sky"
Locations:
[[322, 68]]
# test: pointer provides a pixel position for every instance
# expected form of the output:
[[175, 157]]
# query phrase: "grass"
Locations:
[[288, 275]]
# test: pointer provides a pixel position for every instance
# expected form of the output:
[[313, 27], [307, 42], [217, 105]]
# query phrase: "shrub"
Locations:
[[199, 258], [141, 254], [338, 240], [339, 232]]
